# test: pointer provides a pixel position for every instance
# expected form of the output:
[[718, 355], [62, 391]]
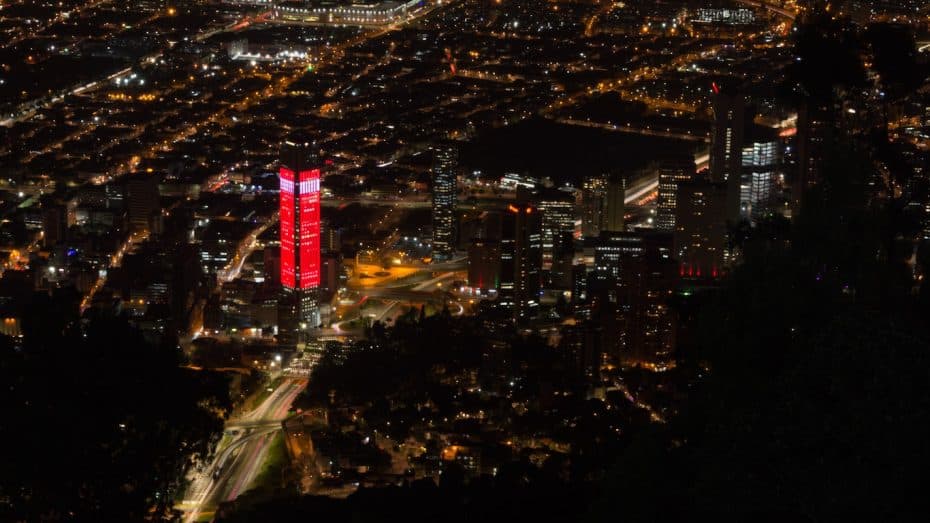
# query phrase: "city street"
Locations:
[[241, 454]]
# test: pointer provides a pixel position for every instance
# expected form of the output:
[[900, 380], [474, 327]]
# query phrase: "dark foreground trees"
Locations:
[[98, 425]]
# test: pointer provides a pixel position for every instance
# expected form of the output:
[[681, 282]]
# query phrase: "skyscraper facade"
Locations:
[[300, 174], [603, 204], [558, 218], [521, 259], [761, 163], [445, 165], [593, 192], [615, 204], [671, 173], [484, 258], [700, 231], [143, 200]]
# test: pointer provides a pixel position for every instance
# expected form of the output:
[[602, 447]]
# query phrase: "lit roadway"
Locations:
[[60, 16], [237, 463], [115, 260], [591, 23], [246, 247], [418, 202], [392, 296], [791, 15], [645, 131], [34, 106], [278, 88]]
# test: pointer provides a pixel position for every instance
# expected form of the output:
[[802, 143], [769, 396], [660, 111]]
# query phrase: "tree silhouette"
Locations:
[[99, 425]]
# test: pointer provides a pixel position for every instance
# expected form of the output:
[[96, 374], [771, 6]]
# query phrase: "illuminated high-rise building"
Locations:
[[631, 283], [672, 171], [445, 165], [300, 174], [521, 260], [593, 193], [761, 165], [558, 218], [700, 230], [603, 204]]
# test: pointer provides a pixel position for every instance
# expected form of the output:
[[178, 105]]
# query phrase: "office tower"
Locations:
[[761, 164], [726, 146], [299, 211], [143, 200], [609, 250], [558, 218], [330, 269], [484, 264], [700, 232], [330, 237], [593, 192], [630, 287], [445, 166], [671, 172], [647, 283], [615, 204], [216, 249], [521, 259]]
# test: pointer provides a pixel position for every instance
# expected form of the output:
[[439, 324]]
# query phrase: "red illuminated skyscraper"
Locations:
[[300, 174]]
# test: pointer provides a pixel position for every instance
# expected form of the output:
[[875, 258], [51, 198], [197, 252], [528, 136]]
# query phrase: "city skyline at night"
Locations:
[[464, 260]]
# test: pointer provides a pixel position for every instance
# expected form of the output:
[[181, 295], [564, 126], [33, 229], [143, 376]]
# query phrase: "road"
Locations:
[[246, 247], [591, 23], [236, 464], [790, 15], [115, 260], [487, 204], [645, 131]]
